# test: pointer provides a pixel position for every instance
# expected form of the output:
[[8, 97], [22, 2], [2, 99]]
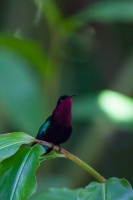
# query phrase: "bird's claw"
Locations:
[[59, 148], [52, 145]]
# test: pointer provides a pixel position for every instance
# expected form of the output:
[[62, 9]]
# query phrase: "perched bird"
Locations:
[[57, 128]]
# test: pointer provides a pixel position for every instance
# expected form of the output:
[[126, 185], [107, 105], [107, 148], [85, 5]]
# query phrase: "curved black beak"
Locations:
[[73, 95]]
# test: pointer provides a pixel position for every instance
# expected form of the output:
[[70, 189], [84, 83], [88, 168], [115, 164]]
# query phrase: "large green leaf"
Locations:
[[29, 49], [17, 173], [57, 194], [10, 143], [21, 99], [113, 189], [116, 11]]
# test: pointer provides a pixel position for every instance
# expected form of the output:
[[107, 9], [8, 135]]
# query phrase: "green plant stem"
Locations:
[[75, 159]]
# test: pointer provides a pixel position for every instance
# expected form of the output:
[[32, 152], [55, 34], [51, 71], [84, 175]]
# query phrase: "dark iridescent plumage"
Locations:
[[57, 128]]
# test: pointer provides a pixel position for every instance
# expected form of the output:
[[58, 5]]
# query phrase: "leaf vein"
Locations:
[[10, 144], [19, 175], [104, 192]]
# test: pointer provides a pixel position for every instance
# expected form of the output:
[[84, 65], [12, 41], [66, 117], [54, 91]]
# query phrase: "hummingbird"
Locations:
[[57, 128]]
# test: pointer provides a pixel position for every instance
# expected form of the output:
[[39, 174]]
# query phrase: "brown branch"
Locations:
[[75, 159]]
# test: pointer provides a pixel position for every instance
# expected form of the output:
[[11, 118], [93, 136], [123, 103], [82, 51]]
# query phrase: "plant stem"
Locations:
[[75, 159], [83, 165]]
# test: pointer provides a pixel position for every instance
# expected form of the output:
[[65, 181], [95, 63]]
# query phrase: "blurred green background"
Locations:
[[52, 47]]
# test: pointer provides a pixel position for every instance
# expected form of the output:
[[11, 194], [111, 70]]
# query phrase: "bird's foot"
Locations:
[[59, 148], [52, 145]]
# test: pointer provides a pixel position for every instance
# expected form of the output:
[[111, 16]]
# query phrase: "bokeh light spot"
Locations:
[[116, 105]]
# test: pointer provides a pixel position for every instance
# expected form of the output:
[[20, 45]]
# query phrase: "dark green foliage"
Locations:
[[114, 188], [58, 194], [58, 47], [18, 181], [17, 173]]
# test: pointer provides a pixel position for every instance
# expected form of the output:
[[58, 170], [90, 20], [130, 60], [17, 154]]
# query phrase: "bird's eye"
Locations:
[[61, 100]]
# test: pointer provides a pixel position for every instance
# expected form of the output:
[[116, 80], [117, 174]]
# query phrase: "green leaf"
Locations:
[[28, 48], [119, 189], [58, 194], [51, 155], [115, 11], [21, 97], [10, 143], [17, 173], [114, 188]]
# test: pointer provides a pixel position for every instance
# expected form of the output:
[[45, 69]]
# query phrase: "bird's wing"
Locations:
[[44, 127], [42, 132]]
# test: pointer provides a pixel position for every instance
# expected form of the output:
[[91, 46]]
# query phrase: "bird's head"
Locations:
[[62, 113]]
